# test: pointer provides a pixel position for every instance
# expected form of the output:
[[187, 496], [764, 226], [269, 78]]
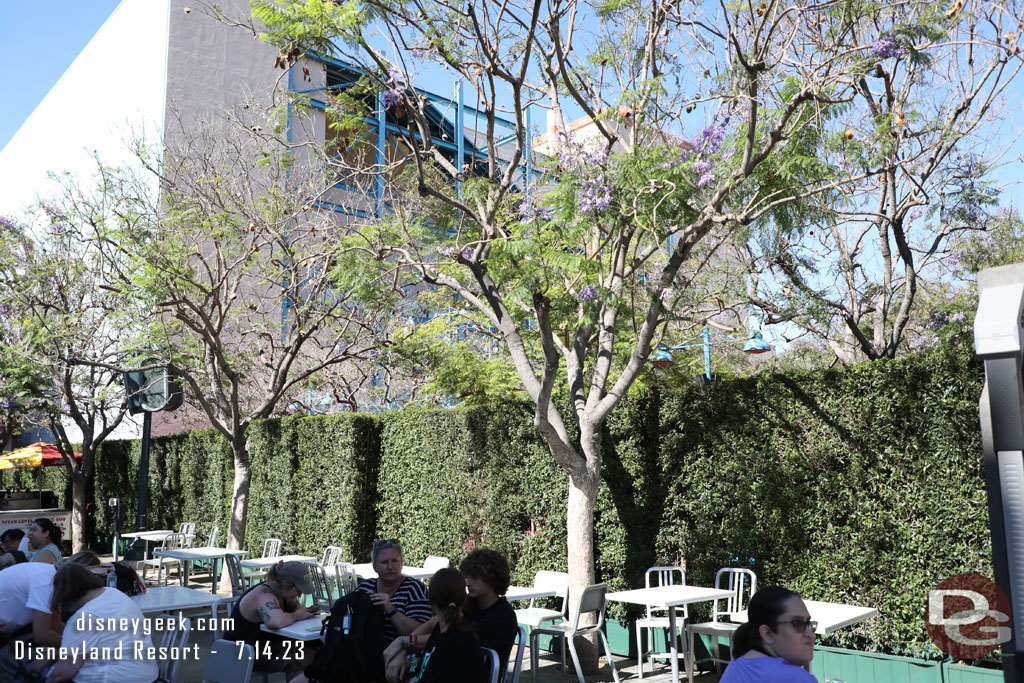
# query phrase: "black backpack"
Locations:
[[126, 580], [356, 656]]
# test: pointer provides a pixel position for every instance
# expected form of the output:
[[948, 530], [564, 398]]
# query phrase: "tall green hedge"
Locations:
[[860, 485], [863, 485]]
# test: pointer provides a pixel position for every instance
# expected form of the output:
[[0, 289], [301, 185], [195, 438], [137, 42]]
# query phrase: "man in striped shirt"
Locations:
[[403, 599]]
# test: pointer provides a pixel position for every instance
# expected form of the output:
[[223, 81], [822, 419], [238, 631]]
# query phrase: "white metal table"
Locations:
[[192, 554], [268, 562], [153, 537], [173, 598], [831, 616], [527, 593], [307, 629], [670, 597], [365, 571]]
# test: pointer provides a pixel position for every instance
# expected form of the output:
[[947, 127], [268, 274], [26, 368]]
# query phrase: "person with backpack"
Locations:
[[403, 599]]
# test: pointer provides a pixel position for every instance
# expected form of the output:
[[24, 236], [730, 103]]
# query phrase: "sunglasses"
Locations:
[[800, 625], [386, 542]]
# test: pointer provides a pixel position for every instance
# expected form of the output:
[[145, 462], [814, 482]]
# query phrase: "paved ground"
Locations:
[[548, 672]]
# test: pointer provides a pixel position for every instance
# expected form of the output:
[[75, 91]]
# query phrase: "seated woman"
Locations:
[[43, 541], [487, 614], [104, 620], [275, 602], [403, 599], [26, 590], [776, 642], [452, 652]]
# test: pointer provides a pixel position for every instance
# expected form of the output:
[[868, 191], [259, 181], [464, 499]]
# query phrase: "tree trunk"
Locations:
[[240, 496], [79, 484], [583, 485], [239, 503]]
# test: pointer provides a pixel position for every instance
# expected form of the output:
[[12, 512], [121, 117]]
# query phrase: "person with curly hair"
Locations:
[[488, 614]]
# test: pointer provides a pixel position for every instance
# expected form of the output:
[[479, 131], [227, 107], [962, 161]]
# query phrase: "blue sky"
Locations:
[[38, 41]]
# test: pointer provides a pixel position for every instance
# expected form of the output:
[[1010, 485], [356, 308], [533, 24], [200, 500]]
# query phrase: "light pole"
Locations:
[[755, 344]]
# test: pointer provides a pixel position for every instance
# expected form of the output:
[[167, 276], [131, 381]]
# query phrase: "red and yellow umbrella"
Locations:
[[36, 455]]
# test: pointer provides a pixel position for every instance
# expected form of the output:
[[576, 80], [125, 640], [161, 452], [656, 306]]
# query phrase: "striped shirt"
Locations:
[[410, 598]]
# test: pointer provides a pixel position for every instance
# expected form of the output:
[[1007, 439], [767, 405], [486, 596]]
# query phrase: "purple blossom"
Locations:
[[887, 47], [936, 320], [588, 293], [467, 253], [705, 179], [914, 215], [7, 403], [447, 251], [57, 228], [666, 294], [396, 76], [710, 139], [595, 196], [393, 97], [6, 223], [418, 52], [529, 212], [5, 309], [702, 166], [956, 318]]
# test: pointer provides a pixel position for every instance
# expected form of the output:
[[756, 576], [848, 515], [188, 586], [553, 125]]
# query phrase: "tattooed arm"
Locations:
[[275, 617]]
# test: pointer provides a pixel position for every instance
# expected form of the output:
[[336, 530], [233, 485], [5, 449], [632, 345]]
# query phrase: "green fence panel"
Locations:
[[958, 673], [851, 666]]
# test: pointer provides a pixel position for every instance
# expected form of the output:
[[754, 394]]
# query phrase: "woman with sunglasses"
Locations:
[[776, 643]]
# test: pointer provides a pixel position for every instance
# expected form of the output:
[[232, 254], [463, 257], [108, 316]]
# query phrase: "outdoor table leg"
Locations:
[[216, 574], [673, 644]]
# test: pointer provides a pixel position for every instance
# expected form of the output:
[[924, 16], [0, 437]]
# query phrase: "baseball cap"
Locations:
[[297, 573]]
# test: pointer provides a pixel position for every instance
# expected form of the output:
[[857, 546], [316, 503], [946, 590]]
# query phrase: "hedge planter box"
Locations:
[[851, 666], [959, 673]]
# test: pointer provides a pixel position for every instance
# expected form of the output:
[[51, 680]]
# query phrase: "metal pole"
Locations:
[[460, 139], [137, 550], [706, 334]]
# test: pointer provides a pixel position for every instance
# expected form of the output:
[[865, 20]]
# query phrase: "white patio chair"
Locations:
[[742, 583], [189, 530], [169, 632], [211, 542], [162, 564], [322, 589], [332, 554], [271, 548], [547, 581], [656, 617], [434, 562], [346, 578], [228, 663], [591, 600], [233, 565], [492, 668]]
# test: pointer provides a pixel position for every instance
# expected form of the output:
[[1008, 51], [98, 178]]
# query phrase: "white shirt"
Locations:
[[82, 634], [23, 588]]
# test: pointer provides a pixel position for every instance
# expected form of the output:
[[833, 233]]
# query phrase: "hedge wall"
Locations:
[[859, 485], [863, 485]]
